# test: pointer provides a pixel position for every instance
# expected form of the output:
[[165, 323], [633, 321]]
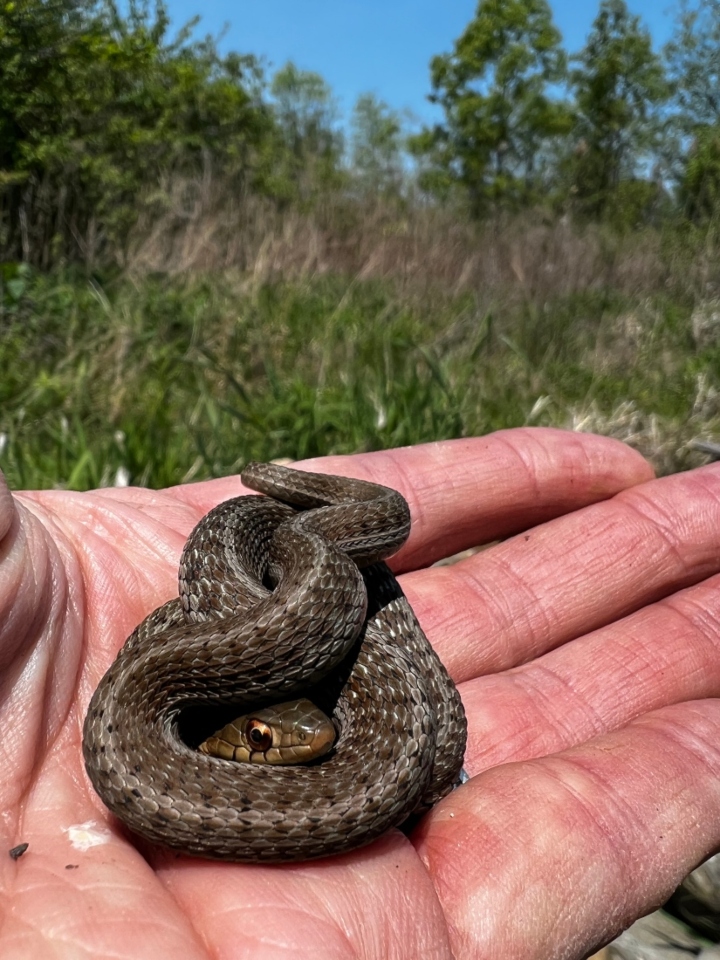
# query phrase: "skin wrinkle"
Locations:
[[7, 508], [671, 549], [471, 541], [466, 936], [520, 724], [529, 463], [640, 592], [494, 606], [315, 886], [573, 548], [700, 638], [37, 892], [533, 463], [613, 646], [567, 728], [679, 734], [536, 613], [105, 607], [492, 841], [488, 591], [139, 582], [155, 532], [69, 610], [105, 592], [63, 673], [665, 728], [153, 536], [594, 813], [96, 522], [358, 869], [656, 510], [708, 621], [36, 669], [420, 521], [585, 692], [508, 625], [230, 911], [648, 654], [28, 583]]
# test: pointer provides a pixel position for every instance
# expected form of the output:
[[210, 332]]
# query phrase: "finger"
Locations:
[[463, 493], [378, 902], [40, 647], [521, 598], [666, 653], [467, 492], [553, 857]]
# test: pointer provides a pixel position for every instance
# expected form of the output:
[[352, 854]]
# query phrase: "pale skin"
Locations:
[[585, 646]]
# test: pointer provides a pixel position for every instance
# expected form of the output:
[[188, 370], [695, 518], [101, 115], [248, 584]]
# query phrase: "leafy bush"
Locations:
[[96, 108]]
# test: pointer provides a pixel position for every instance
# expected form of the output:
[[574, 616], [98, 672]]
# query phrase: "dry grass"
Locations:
[[200, 227]]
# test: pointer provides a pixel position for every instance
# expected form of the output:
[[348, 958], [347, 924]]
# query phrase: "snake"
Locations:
[[290, 629]]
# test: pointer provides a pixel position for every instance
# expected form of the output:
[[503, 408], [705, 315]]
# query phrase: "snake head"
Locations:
[[288, 733]]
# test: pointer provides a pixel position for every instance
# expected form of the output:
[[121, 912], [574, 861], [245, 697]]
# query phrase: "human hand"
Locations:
[[583, 648]]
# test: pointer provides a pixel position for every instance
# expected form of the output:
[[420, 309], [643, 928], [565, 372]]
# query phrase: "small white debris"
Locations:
[[85, 835], [122, 477]]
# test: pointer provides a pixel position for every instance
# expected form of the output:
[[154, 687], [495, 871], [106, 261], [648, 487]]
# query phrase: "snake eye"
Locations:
[[259, 735]]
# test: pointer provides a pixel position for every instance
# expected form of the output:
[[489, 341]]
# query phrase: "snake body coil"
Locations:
[[281, 596]]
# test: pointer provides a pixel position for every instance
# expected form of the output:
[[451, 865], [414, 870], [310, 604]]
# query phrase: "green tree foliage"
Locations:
[[96, 107], [310, 145], [699, 182], [619, 85], [693, 59], [499, 115], [106, 119], [376, 146]]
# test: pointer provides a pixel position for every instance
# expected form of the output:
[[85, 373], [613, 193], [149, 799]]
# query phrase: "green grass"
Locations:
[[162, 381]]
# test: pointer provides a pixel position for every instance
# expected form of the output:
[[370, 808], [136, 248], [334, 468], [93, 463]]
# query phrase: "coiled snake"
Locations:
[[281, 596]]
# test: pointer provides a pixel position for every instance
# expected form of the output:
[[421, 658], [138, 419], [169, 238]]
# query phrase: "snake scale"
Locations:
[[281, 596]]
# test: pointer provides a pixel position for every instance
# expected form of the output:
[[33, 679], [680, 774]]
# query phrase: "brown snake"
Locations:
[[281, 596]]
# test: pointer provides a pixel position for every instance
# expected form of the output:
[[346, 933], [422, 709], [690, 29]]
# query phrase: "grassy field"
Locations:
[[157, 378]]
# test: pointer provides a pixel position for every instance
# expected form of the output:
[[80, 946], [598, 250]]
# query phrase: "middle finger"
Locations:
[[540, 589]]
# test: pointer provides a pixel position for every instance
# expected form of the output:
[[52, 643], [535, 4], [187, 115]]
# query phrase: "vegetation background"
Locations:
[[198, 266]]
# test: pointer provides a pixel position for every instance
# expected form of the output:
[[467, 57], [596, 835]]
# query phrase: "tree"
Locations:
[[96, 108], [699, 179], [499, 115], [618, 86], [376, 145], [693, 59], [308, 158]]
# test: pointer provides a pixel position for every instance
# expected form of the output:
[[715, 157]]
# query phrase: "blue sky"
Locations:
[[383, 46]]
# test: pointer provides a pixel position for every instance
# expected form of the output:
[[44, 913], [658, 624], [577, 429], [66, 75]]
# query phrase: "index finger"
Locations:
[[463, 493]]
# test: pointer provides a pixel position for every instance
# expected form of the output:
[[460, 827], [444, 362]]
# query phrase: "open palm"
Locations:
[[585, 647]]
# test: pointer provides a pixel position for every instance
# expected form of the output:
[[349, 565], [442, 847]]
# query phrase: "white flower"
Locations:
[[122, 477]]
